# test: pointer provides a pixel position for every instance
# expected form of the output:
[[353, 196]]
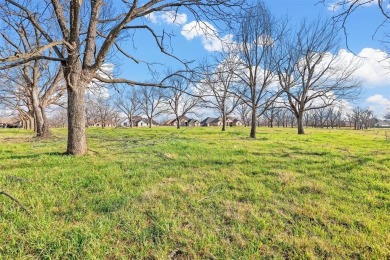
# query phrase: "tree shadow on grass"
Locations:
[[4, 166], [37, 155]]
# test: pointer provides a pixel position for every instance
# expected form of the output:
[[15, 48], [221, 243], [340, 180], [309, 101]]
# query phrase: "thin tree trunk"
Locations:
[[31, 123], [177, 122], [35, 122], [223, 121], [253, 124], [77, 141]]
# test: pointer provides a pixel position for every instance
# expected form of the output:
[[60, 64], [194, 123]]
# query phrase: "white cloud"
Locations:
[[337, 5], [265, 40], [345, 107], [374, 66], [334, 7], [172, 17], [152, 18], [167, 17], [375, 70], [194, 29], [207, 33], [379, 104], [379, 100]]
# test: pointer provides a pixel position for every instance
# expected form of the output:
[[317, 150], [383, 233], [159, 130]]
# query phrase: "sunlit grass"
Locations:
[[197, 193]]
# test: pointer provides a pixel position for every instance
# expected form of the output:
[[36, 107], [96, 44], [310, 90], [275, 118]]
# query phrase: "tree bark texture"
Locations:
[[77, 141], [301, 130]]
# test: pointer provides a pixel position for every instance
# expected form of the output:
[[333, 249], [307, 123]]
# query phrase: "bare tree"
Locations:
[[180, 97], [152, 103], [59, 118], [244, 112], [311, 75], [218, 85], [334, 116], [321, 115], [270, 114], [258, 37], [361, 118], [100, 109], [84, 34], [36, 83], [29, 90], [284, 115], [128, 102]]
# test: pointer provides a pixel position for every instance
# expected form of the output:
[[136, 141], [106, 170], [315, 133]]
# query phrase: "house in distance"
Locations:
[[212, 121]]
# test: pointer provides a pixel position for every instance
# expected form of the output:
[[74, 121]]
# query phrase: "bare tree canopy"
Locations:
[[311, 75], [180, 98], [32, 86], [100, 110], [128, 102], [152, 103], [83, 35], [257, 50], [218, 84]]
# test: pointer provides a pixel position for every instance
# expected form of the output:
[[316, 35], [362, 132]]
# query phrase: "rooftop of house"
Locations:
[[8, 120], [383, 122], [209, 120], [192, 120]]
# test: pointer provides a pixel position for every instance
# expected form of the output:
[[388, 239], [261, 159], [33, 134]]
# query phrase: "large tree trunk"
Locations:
[[45, 127], [37, 114], [253, 124], [301, 130], [131, 121], [77, 141]]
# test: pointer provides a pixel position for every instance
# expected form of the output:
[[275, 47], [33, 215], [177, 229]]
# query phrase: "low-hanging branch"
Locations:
[[15, 200]]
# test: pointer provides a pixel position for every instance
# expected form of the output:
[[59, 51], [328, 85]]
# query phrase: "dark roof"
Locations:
[[209, 120], [192, 120], [139, 119]]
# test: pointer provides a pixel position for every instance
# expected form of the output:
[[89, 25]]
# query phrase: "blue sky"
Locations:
[[361, 27]]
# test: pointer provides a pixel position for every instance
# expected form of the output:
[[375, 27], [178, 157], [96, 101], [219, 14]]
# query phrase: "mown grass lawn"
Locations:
[[197, 193]]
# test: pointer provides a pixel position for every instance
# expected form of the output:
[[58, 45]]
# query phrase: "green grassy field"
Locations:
[[197, 194]]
